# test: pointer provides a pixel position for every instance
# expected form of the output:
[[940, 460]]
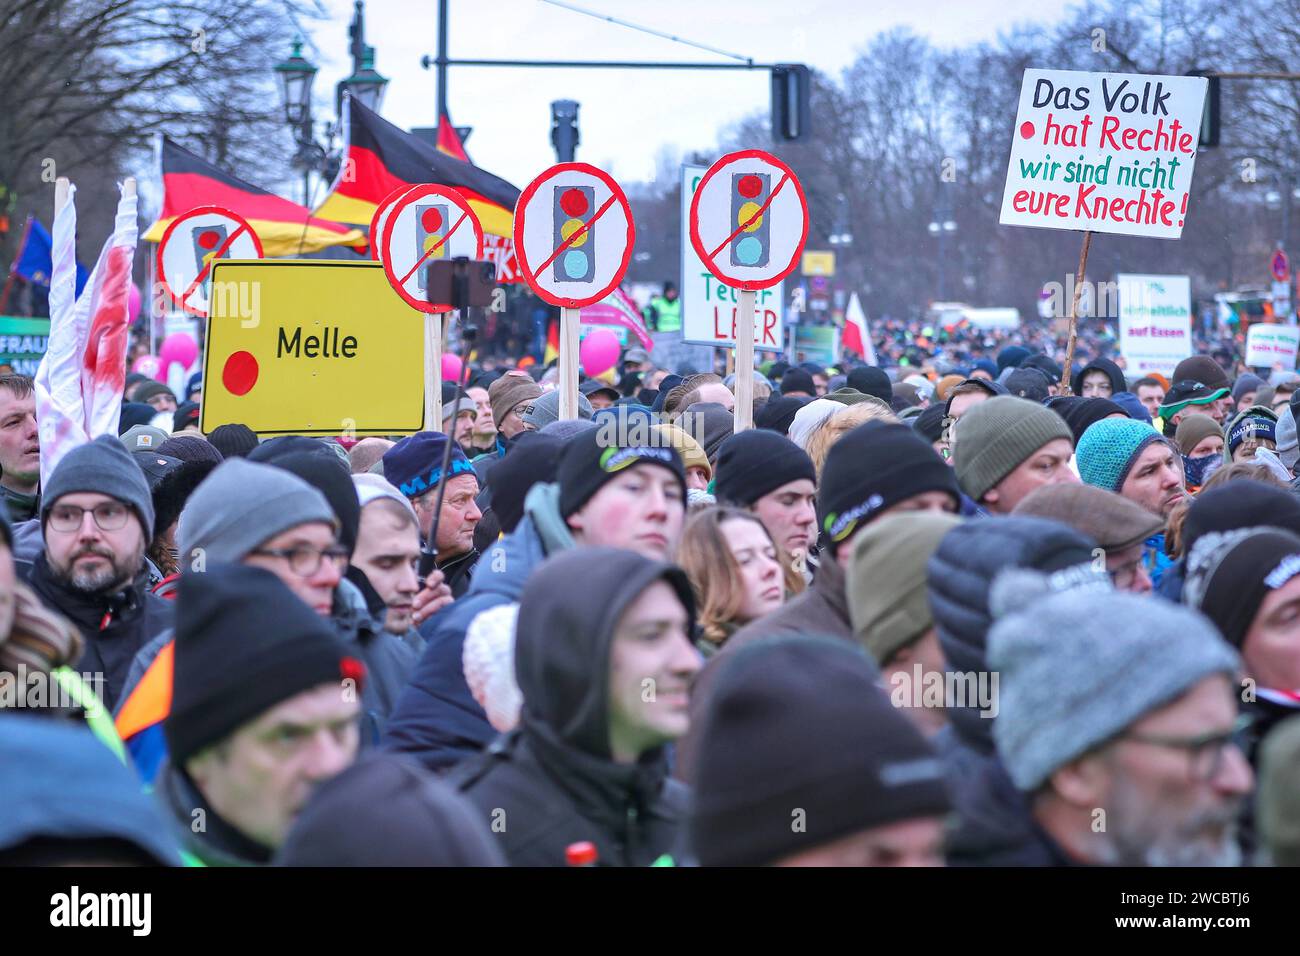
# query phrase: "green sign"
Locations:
[[817, 343], [22, 342]]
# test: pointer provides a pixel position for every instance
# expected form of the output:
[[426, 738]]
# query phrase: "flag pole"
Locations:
[[1074, 312]]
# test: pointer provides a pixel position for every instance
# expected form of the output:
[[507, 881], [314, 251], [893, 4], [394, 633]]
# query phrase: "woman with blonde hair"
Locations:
[[735, 569], [835, 426]]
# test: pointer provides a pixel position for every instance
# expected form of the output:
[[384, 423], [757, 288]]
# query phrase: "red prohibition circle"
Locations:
[[749, 285], [185, 217], [387, 202], [414, 194], [521, 253]]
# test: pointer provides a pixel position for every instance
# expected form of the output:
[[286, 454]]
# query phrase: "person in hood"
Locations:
[[990, 815], [69, 801], [386, 810], [849, 783], [264, 710], [414, 466], [1100, 378], [588, 763], [1005, 447], [605, 495], [20, 448], [97, 519], [1123, 704], [385, 564], [1118, 525]]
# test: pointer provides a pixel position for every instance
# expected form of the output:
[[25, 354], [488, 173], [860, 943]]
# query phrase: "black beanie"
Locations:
[[870, 380], [1228, 580], [1080, 413], [233, 441], [244, 643], [798, 380], [756, 462], [850, 762], [533, 457], [929, 424], [134, 413], [873, 467], [387, 810], [588, 463], [323, 470], [1241, 503], [778, 412]]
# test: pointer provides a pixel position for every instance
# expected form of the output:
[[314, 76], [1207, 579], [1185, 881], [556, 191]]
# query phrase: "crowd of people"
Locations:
[[939, 612]]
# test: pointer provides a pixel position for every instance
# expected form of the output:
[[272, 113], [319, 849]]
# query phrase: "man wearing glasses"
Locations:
[[1118, 723], [96, 520]]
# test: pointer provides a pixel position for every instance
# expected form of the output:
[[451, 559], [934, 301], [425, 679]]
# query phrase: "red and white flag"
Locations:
[[856, 335], [618, 309], [80, 380]]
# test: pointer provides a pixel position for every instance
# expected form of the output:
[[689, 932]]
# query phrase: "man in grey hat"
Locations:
[[1118, 722], [96, 521], [545, 408], [466, 411], [1005, 447]]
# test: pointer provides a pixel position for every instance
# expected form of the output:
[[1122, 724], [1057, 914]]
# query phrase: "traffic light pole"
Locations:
[[744, 385], [570, 319]]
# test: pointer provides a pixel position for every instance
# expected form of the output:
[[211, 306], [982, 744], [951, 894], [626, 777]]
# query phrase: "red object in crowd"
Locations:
[[582, 853]]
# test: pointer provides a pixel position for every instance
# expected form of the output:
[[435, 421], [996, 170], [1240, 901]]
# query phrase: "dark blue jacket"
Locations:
[[437, 719]]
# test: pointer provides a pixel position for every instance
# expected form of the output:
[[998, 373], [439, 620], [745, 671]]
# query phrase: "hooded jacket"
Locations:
[[1113, 372], [960, 574], [115, 626], [436, 718], [216, 843], [553, 776]]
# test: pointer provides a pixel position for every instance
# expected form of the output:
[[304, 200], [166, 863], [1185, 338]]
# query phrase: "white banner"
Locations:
[[1272, 346], [1106, 152], [1155, 322], [708, 306]]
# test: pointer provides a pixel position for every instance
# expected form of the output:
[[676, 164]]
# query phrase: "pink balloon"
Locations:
[[147, 365], [451, 368], [178, 347], [599, 351], [133, 303]]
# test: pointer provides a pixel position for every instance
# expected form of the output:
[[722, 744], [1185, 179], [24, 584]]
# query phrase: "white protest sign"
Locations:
[[192, 243], [1104, 152], [425, 224], [1272, 346], [1155, 322], [573, 235], [709, 306]]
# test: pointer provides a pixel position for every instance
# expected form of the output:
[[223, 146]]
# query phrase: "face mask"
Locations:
[[1198, 470]]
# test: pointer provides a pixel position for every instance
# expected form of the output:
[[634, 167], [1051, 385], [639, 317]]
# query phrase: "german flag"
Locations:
[[381, 157], [449, 141], [285, 228]]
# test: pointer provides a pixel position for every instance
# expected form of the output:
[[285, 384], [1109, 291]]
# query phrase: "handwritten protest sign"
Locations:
[[1104, 152], [1270, 346], [1155, 322]]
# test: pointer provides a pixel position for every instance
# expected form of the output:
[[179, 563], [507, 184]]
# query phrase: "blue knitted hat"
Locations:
[[414, 464], [1108, 449]]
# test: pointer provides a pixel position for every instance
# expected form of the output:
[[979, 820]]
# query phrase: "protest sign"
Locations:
[[1104, 152], [311, 347], [192, 243], [1272, 346], [424, 224], [23, 342], [709, 306], [1155, 322]]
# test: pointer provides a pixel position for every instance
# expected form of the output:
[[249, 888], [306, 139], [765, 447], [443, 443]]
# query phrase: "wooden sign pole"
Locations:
[[1074, 313], [744, 387], [570, 319]]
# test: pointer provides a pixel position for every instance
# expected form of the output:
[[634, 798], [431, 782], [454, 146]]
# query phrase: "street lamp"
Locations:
[[366, 85], [296, 76], [939, 228]]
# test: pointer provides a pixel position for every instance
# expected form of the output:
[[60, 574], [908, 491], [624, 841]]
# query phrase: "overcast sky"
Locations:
[[627, 117]]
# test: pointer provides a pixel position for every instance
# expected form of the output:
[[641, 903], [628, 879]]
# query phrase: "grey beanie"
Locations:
[[995, 436], [1288, 445], [1107, 658], [106, 467], [242, 504], [545, 408]]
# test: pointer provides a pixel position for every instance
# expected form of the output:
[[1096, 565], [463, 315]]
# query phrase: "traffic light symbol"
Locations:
[[431, 224], [207, 241], [749, 191], [574, 206]]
